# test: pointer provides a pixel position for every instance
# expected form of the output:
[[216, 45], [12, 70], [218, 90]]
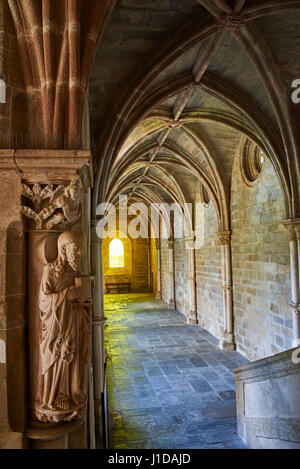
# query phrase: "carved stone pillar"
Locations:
[[98, 323], [171, 304], [59, 294], [190, 249], [293, 228], [158, 257], [227, 341]]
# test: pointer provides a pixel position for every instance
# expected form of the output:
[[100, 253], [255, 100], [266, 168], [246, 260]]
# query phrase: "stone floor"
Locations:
[[169, 384]]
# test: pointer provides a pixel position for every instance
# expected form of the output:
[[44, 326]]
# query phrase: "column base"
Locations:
[[226, 343], [192, 318], [171, 304], [158, 295]]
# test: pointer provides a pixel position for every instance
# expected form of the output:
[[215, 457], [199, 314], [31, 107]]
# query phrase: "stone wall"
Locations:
[[209, 276], [261, 270]]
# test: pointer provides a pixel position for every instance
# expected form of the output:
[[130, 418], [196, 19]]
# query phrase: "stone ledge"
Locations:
[[269, 367], [37, 165]]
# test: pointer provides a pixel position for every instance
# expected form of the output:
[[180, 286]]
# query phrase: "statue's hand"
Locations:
[[74, 294]]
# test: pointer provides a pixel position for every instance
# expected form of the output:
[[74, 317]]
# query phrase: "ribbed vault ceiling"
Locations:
[[176, 87]]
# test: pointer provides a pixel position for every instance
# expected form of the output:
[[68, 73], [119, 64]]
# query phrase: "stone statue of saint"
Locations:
[[65, 324]]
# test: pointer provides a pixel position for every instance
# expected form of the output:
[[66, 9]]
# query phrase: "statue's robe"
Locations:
[[64, 346]]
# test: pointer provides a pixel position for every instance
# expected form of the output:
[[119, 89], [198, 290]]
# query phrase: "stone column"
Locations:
[[293, 228], [98, 323], [55, 205], [227, 341], [84, 436], [158, 257], [172, 303], [190, 249]]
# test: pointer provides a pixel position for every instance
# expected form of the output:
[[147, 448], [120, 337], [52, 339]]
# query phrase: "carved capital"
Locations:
[[225, 237], [53, 206], [231, 22], [189, 243]]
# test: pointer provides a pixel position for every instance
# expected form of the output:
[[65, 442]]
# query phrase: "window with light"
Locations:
[[116, 253]]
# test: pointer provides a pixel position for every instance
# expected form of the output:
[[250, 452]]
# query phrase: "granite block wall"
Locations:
[[261, 266]]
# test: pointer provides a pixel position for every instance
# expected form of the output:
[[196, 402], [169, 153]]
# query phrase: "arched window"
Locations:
[[116, 253]]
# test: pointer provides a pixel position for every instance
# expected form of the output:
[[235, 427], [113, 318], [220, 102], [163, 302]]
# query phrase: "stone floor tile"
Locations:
[[169, 387]]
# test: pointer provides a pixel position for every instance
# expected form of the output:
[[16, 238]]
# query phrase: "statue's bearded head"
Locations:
[[73, 255], [70, 248]]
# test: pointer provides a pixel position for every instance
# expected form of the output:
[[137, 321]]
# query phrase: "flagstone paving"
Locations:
[[169, 384]]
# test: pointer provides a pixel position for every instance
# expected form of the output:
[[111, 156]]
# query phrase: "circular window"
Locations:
[[252, 162]]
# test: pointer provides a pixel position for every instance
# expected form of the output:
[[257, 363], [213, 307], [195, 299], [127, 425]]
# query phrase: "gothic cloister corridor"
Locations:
[[149, 224], [169, 385]]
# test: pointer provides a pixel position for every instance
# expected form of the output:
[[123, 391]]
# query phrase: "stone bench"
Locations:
[[119, 287]]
